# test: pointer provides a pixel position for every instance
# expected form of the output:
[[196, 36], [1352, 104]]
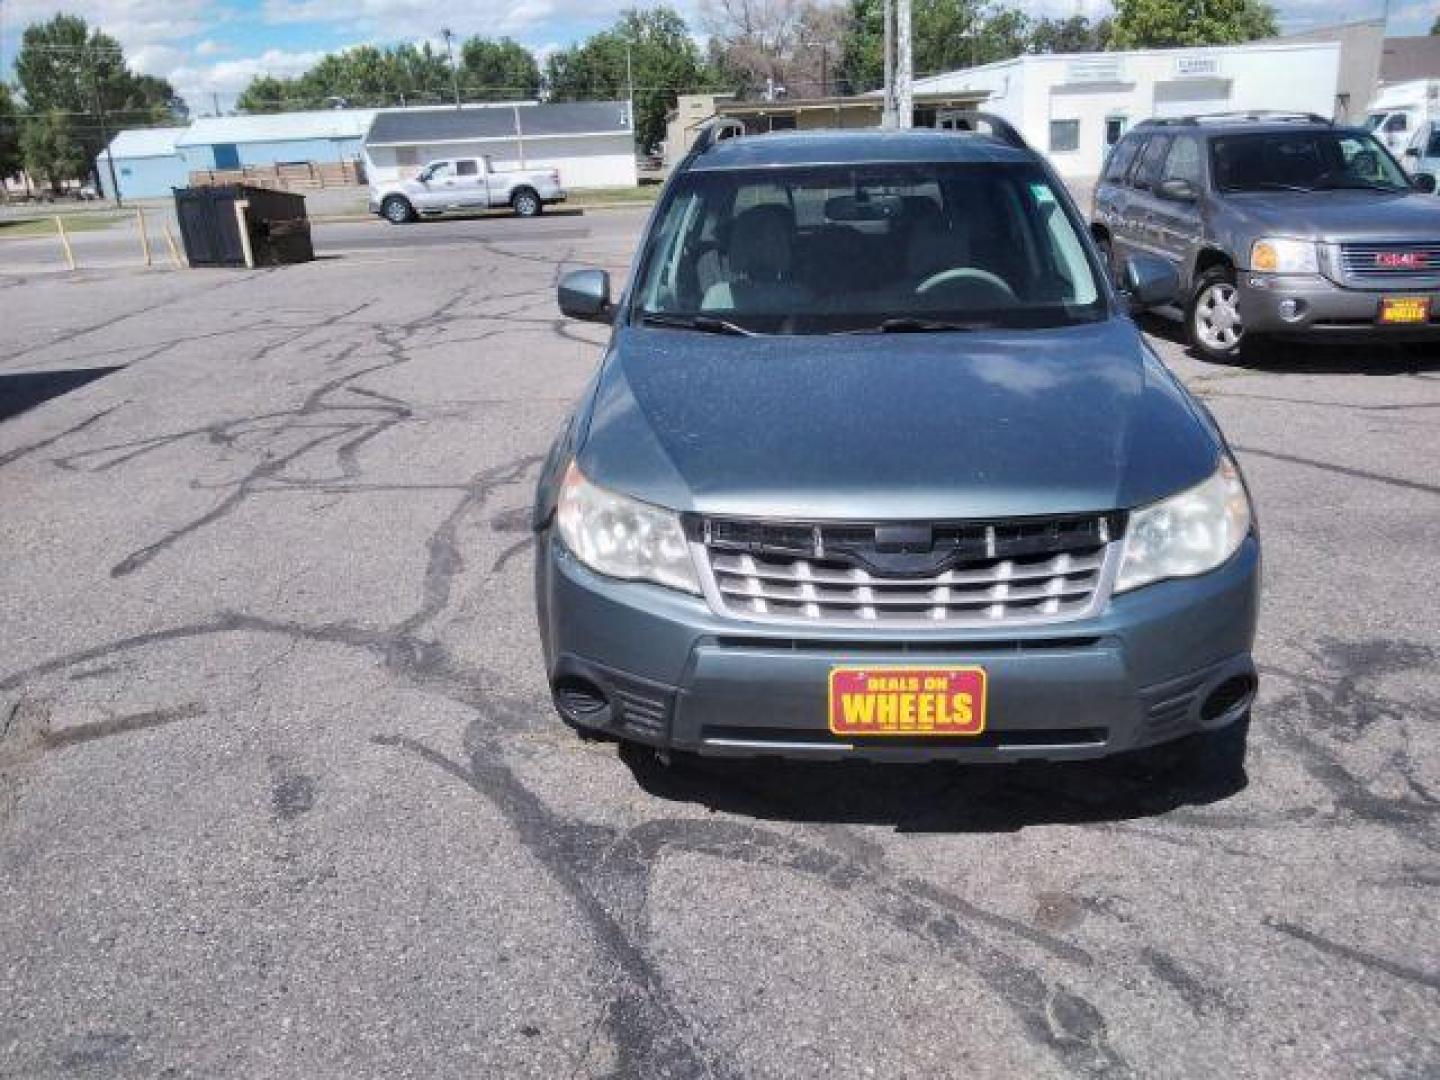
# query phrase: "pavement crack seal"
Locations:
[[1428, 979], [651, 1035]]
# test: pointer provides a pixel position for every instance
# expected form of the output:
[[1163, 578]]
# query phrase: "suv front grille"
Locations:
[[965, 575], [1384, 261]]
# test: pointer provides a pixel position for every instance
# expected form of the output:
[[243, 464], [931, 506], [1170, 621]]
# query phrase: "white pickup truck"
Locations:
[[463, 185]]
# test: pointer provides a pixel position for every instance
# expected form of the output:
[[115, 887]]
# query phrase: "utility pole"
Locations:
[[215, 103], [904, 69], [630, 84], [887, 114], [104, 127], [454, 71]]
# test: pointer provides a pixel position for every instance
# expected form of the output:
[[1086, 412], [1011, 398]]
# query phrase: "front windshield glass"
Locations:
[[836, 249], [1303, 161]]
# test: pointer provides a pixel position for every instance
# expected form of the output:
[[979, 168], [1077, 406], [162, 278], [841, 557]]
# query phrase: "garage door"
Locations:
[[1187, 97]]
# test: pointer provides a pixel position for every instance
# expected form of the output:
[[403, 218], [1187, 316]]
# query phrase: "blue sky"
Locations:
[[212, 48]]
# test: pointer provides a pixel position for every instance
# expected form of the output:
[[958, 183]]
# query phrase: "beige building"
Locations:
[[802, 114]]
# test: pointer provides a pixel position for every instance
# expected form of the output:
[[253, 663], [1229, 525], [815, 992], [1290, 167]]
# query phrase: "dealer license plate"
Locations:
[[907, 701], [1404, 309]]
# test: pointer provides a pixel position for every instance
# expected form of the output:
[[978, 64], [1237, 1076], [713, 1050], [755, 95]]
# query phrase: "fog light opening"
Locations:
[[1291, 310], [1231, 695], [580, 701]]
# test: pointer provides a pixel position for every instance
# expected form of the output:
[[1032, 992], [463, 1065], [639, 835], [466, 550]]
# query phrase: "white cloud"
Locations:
[[211, 47]]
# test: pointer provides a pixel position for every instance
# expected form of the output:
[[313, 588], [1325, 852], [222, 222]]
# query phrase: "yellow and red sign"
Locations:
[[1404, 309], [907, 701]]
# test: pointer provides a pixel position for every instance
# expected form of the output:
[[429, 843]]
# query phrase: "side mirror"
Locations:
[[1149, 281], [1425, 182], [585, 294], [1177, 189]]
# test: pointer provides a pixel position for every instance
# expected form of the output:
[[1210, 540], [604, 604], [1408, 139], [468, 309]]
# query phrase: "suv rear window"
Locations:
[[838, 248]]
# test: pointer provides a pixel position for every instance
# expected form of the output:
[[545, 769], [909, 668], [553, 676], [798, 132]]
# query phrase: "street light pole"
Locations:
[[104, 130], [454, 71]]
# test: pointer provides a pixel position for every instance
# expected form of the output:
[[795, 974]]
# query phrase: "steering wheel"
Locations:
[[957, 274]]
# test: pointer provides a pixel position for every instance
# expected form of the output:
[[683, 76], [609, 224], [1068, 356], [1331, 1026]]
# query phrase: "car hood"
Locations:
[[1341, 215], [919, 426]]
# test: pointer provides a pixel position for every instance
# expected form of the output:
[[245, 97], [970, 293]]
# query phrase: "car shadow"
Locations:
[[22, 391], [1308, 358], [948, 797]]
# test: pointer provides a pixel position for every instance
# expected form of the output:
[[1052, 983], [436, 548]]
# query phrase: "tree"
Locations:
[[498, 69], [52, 150], [364, 76], [10, 159], [64, 68], [1435, 26], [663, 57], [760, 44], [265, 94], [1072, 35], [946, 35], [1142, 24]]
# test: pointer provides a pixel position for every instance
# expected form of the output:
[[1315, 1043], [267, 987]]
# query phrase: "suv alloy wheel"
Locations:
[[1212, 318]]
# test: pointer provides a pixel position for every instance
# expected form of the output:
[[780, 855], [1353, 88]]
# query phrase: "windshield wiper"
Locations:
[[706, 324], [910, 324]]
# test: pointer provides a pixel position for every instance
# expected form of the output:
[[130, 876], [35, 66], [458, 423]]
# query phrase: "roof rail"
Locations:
[[716, 130], [1253, 115], [1000, 128]]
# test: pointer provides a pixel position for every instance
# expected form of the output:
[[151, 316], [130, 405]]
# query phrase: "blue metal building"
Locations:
[[233, 142], [147, 165]]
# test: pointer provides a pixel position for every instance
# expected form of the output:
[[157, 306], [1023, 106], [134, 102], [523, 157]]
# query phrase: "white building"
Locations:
[[1076, 106], [590, 143]]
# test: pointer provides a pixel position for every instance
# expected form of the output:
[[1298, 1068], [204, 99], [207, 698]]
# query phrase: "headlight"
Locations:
[[1271, 256], [623, 537], [1188, 533]]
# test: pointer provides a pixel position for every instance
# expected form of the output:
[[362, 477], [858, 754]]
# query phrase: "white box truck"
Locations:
[[1398, 112]]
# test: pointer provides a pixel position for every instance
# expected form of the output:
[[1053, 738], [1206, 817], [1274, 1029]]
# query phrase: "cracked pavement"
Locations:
[[281, 792]]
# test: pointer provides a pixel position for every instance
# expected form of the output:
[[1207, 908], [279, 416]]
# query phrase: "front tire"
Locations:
[[1212, 317], [526, 203], [397, 210]]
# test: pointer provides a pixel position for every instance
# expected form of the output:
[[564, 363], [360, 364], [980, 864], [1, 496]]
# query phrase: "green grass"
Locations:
[[643, 195], [45, 226]]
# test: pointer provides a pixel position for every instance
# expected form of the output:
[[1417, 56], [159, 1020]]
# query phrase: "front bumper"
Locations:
[[672, 673], [1326, 310]]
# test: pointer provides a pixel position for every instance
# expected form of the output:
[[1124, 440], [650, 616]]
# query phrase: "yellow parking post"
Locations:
[[241, 205], [144, 239], [170, 243], [65, 242]]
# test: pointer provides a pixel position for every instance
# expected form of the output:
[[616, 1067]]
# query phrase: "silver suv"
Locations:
[[1278, 224]]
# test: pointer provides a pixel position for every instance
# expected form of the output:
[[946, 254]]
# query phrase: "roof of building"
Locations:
[[854, 146], [146, 142], [1405, 58], [278, 127], [407, 127]]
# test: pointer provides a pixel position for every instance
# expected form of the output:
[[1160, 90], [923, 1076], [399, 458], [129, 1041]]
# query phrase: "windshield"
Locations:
[[838, 249], [1303, 161]]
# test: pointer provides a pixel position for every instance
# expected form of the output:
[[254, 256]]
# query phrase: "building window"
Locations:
[[124, 170], [1114, 129], [1064, 135], [407, 155]]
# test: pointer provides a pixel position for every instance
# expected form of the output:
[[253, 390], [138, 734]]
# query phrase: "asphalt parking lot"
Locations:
[[281, 793]]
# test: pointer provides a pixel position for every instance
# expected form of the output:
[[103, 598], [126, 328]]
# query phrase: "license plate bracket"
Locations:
[[889, 700]]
